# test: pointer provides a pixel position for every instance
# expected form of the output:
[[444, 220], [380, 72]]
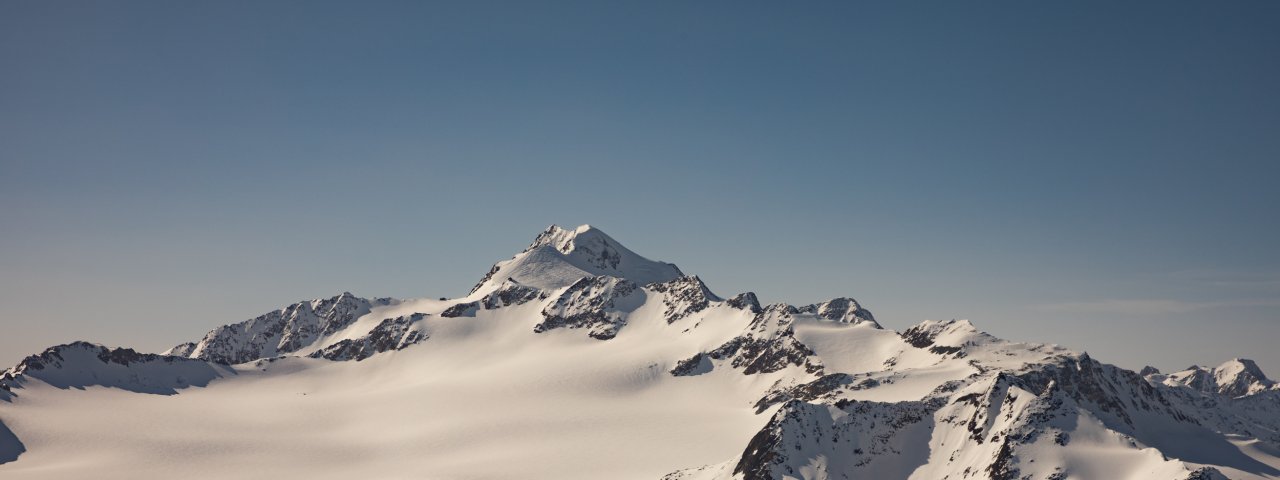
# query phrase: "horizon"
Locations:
[[1092, 175]]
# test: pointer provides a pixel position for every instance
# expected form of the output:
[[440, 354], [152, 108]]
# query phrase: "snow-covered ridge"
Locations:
[[1234, 378], [279, 332], [83, 364], [578, 358]]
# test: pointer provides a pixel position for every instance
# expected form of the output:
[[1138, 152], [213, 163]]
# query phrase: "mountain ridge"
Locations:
[[577, 324]]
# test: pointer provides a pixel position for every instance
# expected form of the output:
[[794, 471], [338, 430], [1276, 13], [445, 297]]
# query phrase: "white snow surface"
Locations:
[[580, 359]]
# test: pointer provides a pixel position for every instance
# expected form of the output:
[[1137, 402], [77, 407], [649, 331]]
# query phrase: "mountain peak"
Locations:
[[1238, 366], [558, 257], [1234, 378]]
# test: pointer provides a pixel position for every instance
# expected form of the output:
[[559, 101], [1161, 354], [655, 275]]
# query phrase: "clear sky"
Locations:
[[1101, 175]]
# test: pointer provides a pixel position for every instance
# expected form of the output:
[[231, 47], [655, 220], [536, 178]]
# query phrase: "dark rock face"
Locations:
[[695, 365], [918, 336], [762, 355], [806, 392], [760, 455], [280, 332], [1206, 473], [685, 296], [592, 303], [863, 433], [467, 309], [1001, 412], [1103, 389], [511, 294], [768, 346], [391, 334], [745, 301], [1002, 467]]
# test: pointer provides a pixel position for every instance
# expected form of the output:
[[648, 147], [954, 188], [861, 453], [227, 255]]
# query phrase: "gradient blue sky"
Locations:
[[1101, 175]]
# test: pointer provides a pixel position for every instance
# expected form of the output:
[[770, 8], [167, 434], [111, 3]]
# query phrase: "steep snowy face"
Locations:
[[1235, 378], [559, 257], [83, 364], [280, 332]]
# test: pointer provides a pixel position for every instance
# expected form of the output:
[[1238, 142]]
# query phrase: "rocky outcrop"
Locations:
[[769, 345], [279, 332], [843, 309], [391, 334], [683, 297], [598, 305]]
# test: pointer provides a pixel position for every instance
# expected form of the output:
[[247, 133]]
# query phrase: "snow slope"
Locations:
[[578, 358]]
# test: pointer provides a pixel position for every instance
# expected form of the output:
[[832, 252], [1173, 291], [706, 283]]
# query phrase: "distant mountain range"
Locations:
[[578, 358]]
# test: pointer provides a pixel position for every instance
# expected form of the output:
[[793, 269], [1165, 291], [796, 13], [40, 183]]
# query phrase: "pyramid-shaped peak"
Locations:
[[559, 256], [1237, 367]]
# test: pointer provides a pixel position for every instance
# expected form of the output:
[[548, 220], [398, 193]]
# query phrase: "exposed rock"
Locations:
[[597, 304], [683, 297], [280, 332], [843, 309], [391, 334], [467, 309], [745, 301]]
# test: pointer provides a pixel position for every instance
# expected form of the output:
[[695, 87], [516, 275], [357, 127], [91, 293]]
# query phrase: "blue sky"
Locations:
[[1096, 174]]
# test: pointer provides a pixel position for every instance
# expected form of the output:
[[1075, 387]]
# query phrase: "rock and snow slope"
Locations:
[[578, 358]]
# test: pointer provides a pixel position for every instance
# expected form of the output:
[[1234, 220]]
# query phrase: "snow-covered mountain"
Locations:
[[578, 358], [1235, 378]]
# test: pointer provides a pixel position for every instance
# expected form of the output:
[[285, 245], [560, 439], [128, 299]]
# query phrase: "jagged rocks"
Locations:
[[696, 365], [597, 304], [391, 334], [467, 309], [843, 309], [850, 440], [807, 392], [745, 301], [510, 294], [1206, 473], [768, 346], [280, 332], [683, 296]]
